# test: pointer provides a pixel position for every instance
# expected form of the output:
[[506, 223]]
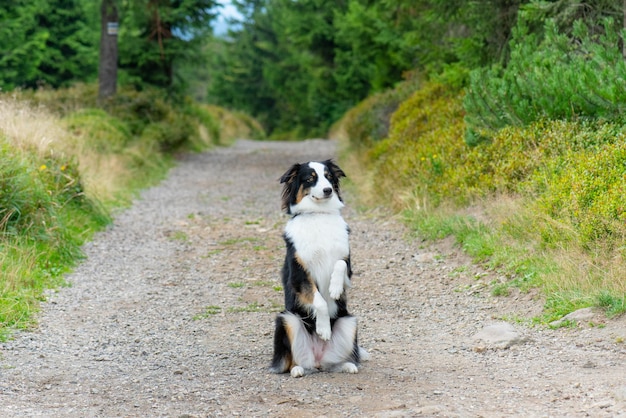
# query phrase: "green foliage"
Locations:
[[104, 132], [298, 67], [369, 121], [613, 304], [586, 188], [566, 12], [477, 33], [156, 35], [150, 116], [46, 43], [543, 203], [55, 42], [45, 217], [553, 76], [422, 146], [376, 43]]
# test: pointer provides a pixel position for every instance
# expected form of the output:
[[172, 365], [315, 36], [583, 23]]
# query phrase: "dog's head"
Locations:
[[312, 187]]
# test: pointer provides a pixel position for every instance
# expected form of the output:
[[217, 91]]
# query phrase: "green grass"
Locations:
[[236, 241], [236, 285], [612, 304], [45, 217], [208, 312], [256, 283], [255, 307], [179, 236], [505, 247]]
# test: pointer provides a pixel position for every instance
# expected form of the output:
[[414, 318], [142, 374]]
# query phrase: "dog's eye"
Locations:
[[310, 179]]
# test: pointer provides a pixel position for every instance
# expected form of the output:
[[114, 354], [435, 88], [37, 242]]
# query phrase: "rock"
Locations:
[[498, 335], [577, 317]]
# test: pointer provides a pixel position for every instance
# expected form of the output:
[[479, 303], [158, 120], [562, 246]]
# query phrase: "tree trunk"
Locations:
[[107, 72], [623, 39]]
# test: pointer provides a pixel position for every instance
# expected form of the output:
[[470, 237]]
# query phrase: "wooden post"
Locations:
[[107, 71]]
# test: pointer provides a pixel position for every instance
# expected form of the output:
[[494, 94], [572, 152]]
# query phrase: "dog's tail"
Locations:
[[283, 358]]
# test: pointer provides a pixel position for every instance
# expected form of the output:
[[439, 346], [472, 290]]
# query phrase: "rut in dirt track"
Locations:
[[172, 314]]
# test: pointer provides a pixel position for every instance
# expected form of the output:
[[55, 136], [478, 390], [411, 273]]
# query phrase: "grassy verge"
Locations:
[[543, 204], [66, 164]]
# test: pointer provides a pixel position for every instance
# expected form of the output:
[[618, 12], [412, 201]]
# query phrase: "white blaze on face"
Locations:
[[317, 191], [313, 199]]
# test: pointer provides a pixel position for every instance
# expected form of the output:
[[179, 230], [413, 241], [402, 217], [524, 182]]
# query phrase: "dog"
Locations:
[[315, 331]]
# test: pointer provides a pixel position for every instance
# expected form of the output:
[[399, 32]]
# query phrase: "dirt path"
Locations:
[[172, 315]]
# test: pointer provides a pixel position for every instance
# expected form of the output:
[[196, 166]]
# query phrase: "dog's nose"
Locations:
[[328, 191]]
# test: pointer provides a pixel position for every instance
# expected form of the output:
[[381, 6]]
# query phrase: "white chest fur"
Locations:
[[320, 240]]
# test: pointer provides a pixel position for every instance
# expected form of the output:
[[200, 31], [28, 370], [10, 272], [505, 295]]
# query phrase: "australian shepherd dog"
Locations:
[[315, 331]]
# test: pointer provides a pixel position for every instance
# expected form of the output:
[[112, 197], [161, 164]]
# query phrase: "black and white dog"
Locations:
[[315, 332]]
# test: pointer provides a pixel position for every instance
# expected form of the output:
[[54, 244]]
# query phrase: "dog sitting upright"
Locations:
[[315, 332]]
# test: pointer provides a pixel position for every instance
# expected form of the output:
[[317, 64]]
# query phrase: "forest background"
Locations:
[[497, 122]]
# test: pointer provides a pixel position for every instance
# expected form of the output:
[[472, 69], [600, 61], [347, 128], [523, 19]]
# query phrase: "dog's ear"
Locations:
[[289, 179], [290, 174], [334, 168]]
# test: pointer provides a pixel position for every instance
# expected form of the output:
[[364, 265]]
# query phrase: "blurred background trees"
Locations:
[[297, 66]]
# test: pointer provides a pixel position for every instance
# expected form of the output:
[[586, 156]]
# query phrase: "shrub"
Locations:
[[98, 130], [369, 121], [587, 189], [573, 171], [553, 77], [423, 143]]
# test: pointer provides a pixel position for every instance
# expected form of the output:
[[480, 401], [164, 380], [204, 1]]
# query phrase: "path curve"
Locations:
[[171, 315]]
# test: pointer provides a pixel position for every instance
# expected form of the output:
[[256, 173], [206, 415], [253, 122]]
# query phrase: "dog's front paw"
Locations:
[[297, 371], [336, 289], [338, 279], [323, 330]]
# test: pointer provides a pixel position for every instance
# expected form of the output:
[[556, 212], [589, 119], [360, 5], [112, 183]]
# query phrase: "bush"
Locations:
[[586, 188], [369, 121], [573, 171], [423, 143], [553, 77], [544, 203], [98, 130]]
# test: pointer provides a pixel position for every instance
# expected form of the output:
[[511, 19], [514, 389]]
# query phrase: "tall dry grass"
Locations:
[[32, 127], [29, 127]]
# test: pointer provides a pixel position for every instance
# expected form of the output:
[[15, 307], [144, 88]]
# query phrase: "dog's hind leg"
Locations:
[[301, 354], [342, 353], [348, 367]]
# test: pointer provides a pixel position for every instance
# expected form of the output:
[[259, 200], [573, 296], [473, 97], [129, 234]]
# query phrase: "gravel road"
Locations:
[[171, 315]]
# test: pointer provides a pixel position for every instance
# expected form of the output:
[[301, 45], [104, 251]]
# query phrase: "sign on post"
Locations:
[[112, 28]]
